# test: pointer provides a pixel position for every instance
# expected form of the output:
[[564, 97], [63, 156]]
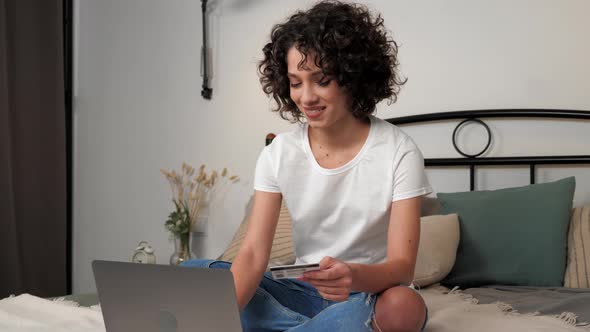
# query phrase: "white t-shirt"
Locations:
[[342, 212]]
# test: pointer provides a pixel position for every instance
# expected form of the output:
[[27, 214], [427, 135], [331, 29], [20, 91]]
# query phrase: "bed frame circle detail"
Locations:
[[455, 137]]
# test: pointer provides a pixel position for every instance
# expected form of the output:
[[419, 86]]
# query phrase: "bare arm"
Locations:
[[336, 279], [403, 238], [252, 258]]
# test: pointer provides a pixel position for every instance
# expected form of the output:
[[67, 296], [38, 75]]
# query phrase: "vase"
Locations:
[[182, 249], [200, 223]]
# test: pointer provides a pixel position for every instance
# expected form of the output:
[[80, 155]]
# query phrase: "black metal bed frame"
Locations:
[[475, 116]]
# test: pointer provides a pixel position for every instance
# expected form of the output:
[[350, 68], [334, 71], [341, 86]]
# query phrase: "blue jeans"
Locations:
[[296, 306]]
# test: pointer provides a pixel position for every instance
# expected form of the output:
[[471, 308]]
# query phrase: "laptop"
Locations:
[[163, 298]]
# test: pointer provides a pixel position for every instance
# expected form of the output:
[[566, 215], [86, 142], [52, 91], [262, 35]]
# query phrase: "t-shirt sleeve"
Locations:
[[409, 176], [265, 176]]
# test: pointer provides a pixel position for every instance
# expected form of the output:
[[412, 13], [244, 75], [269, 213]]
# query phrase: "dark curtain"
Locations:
[[33, 175]]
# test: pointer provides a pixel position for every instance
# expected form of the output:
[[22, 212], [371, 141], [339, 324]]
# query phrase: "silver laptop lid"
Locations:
[[149, 297]]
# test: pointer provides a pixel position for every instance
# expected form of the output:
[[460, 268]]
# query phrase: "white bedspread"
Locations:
[[30, 313], [457, 312], [448, 313]]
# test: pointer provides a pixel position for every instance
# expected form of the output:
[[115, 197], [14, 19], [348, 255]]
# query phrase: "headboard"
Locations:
[[473, 160]]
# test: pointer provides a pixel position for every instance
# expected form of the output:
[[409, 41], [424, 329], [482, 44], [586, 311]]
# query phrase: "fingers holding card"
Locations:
[[292, 271]]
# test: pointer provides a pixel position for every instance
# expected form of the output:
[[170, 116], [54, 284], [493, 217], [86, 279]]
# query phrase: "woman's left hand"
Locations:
[[333, 281]]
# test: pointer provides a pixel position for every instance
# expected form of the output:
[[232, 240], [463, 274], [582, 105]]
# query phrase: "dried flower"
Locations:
[[190, 193]]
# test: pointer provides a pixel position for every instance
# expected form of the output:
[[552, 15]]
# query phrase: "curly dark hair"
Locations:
[[348, 43]]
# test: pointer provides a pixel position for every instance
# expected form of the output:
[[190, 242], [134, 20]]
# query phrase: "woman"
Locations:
[[352, 183]]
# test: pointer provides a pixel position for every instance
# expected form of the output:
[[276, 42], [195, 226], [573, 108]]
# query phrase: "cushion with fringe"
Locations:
[[577, 272], [282, 252]]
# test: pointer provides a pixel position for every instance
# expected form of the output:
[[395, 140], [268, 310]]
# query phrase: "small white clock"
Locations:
[[143, 254]]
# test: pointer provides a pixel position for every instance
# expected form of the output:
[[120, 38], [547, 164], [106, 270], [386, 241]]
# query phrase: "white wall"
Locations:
[[138, 106]]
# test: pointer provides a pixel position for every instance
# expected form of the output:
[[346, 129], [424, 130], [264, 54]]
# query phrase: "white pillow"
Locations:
[[439, 239]]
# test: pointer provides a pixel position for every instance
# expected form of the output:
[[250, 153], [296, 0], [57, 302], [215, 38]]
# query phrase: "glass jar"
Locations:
[[182, 248]]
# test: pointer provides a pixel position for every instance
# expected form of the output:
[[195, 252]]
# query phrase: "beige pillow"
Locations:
[[282, 252], [439, 239], [577, 272]]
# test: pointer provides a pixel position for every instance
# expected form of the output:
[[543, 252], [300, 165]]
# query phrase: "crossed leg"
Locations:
[[409, 309]]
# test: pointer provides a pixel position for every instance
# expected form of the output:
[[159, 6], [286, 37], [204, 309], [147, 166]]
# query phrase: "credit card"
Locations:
[[292, 271]]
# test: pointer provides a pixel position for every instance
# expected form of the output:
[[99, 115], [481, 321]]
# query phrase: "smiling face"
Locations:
[[323, 102]]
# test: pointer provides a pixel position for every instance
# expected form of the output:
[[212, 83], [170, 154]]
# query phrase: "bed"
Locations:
[[549, 277], [536, 278]]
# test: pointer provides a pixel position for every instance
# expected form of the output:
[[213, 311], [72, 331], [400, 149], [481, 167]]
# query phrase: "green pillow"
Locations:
[[513, 236]]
